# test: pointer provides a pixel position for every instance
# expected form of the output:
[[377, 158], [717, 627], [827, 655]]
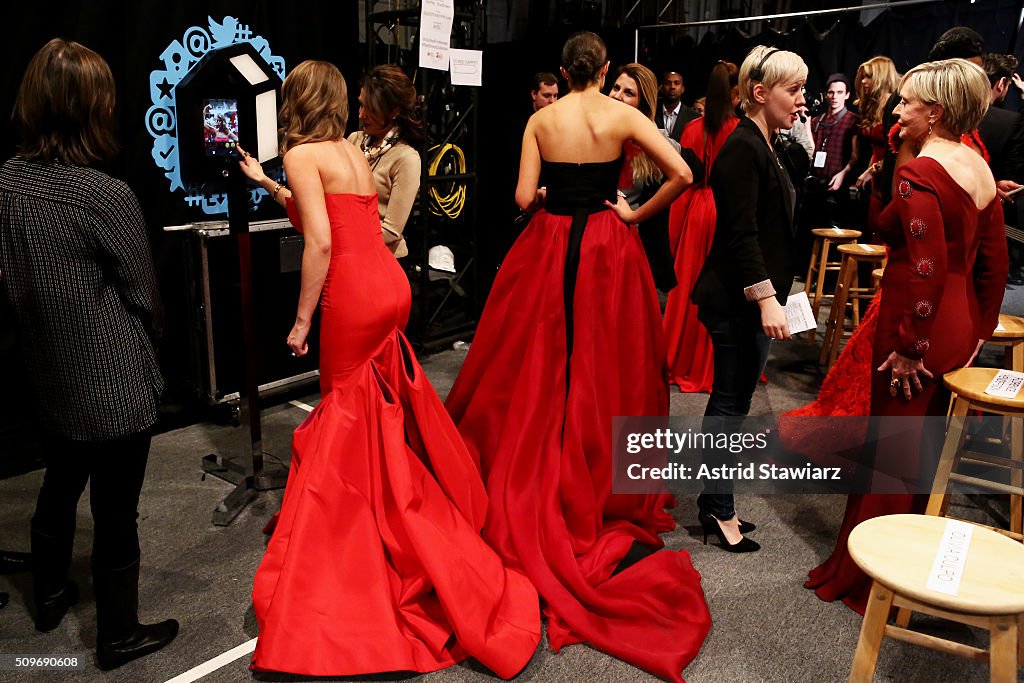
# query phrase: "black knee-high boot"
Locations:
[[52, 591], [120, 637]]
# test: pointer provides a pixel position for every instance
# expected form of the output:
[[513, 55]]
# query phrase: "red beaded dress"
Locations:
[[377, 563], [940, 294]]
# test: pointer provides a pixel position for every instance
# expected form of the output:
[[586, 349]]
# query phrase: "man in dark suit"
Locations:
[[1002, 132], [997, 127], [672, 115]]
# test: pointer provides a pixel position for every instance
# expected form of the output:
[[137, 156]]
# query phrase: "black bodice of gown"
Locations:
[[573, 186]]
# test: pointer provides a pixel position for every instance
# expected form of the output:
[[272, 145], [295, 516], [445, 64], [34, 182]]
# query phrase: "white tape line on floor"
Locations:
[[195, 673], [303, 406]]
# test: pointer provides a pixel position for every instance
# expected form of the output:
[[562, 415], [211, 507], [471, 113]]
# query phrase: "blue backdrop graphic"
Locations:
[[179, 57]]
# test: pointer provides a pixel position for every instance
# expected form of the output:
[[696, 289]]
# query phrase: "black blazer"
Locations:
[[755, 233], [998, 131], [686, 114]]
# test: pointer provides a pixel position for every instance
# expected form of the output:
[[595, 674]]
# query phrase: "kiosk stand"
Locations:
[[228, 99]]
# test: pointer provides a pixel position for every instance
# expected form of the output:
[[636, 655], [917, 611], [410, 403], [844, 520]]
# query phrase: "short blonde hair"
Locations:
[[781, 67], [314, 105], [960, 86]]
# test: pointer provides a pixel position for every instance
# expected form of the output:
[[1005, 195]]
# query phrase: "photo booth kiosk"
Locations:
[[229, 101]]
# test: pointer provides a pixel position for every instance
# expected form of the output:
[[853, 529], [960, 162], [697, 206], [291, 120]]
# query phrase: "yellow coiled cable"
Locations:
[[451, 203]]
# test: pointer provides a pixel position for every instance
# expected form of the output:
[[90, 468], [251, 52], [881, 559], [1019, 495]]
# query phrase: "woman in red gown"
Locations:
[[571, 337], [876, 81], [376, 563], [943, 284], [691, 230]]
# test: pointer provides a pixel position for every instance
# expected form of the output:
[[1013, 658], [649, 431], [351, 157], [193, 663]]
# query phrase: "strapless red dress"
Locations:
[[377, 563], [571, 337], [691, 229]]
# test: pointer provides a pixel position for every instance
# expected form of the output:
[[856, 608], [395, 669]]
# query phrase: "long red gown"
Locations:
[[691, 229], [535, 401], [941, 293], [377, 563]]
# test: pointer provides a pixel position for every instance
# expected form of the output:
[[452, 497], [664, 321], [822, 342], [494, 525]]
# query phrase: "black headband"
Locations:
[[757, 73]]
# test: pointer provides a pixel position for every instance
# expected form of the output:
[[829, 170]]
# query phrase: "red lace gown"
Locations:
[[941, 292], [571, 337], [691, 228], [377, 563]]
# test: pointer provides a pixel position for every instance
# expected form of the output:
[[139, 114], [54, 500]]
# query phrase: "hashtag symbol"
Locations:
[[193, 200], [243, 33]]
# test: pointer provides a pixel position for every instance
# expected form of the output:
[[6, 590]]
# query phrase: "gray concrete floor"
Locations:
[[767, 627]]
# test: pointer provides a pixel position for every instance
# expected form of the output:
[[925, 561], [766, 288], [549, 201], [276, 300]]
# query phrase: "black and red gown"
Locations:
[[377, 563], [691, 229], [941, 293], [571, 337]]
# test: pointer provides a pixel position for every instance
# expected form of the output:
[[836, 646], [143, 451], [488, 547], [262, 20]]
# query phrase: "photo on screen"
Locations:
[[220, 127]]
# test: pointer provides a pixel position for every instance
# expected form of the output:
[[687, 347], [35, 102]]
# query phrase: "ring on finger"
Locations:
[[895, 382]]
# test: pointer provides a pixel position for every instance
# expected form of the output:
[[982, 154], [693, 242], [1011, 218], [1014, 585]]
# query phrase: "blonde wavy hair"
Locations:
[[314, 105], [644, 170], [884, 82]]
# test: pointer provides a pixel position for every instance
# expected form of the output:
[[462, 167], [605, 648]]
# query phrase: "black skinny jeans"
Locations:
[[115, 470], [740, 354]]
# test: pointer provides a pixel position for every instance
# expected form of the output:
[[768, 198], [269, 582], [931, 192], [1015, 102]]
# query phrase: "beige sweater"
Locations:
[[397, 174]]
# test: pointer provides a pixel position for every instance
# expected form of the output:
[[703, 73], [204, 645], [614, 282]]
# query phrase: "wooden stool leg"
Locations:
[[871, 632], [950, 456], [1016, 474], [855, 300], [819, 287], [839, 310], [1003, 649], [1020, 640], [811, 270], [1016, 354]]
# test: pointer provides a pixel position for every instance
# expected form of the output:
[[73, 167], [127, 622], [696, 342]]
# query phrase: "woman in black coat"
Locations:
[[75, 257], [746, 278]]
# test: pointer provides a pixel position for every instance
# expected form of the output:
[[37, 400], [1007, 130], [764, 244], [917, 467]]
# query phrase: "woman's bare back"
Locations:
[[343, 168], [582, 127]]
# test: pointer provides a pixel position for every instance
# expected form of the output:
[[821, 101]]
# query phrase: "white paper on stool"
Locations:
[[950, 557], [999, 328], [1006, 384], [799, 313]]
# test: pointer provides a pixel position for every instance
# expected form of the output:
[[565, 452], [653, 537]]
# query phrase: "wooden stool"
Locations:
[[848, 292], [1010, 334], [823, 240], [876, 277], [969, 385], [899, 552]]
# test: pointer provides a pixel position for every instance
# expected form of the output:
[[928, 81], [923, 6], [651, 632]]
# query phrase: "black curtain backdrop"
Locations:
[[828, 43], [131, 36]]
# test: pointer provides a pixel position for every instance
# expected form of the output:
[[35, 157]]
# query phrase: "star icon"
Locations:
[[165, 88]]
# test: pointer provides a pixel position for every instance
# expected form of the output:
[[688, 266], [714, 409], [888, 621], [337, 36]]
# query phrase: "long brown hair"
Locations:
[[718, 107], [644, 170], [884, 82], [64, 110], [386, 88], [314, 104]]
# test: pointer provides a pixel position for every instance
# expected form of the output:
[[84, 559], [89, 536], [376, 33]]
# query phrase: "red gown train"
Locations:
[[691, 226], [377, 563], [570, 338]]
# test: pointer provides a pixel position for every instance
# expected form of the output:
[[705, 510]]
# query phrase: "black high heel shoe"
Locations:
[[746, 527], [711, 525]]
